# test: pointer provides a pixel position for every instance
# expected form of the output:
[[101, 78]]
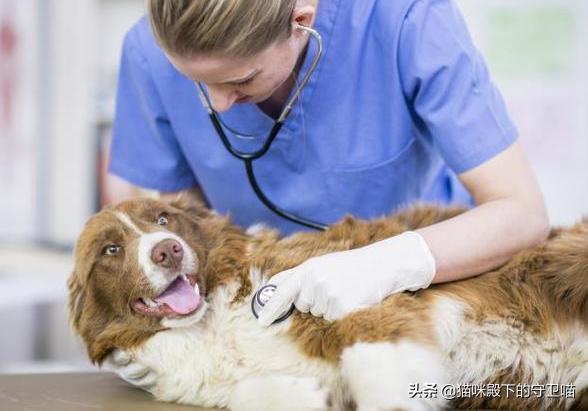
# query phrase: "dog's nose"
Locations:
[[168, 254]]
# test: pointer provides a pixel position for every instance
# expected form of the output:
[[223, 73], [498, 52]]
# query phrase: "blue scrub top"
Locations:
[[400, 103]]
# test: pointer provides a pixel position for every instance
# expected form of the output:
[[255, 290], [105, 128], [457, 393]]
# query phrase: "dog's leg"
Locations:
[[279, 392], [380, 375]]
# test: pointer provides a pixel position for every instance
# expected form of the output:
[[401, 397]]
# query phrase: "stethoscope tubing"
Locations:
[[243, 155], [249, 157]]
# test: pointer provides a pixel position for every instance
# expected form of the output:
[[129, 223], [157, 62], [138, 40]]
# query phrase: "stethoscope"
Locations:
[[249, 157]]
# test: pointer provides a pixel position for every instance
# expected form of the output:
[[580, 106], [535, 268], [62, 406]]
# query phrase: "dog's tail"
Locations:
[[565, 270]]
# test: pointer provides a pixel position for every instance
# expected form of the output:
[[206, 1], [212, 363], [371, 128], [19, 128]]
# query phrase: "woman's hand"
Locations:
[[333, 285]]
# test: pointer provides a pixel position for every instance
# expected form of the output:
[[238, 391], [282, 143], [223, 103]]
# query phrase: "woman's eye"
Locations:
[[162, 219], [245, 82], [111, 249]]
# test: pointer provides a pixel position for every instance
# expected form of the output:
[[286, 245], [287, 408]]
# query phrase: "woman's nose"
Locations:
[[222, 98]]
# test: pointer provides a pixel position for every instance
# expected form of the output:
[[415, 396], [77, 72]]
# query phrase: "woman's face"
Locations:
[[244, 80]]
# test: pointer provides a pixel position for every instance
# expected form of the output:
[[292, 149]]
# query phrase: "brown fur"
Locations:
[[581, 403], [536, 290]]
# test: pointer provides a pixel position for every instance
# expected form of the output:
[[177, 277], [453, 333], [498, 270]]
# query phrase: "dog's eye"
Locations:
[[162, 219], [111, 249]]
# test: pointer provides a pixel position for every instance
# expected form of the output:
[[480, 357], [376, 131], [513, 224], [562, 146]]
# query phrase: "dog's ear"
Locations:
[[93, 323], [192, 203], [77, 298], [83, 319], [114, 335], [77, 282]]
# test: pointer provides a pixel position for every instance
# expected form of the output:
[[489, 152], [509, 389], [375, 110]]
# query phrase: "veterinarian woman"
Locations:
[[399, 109]]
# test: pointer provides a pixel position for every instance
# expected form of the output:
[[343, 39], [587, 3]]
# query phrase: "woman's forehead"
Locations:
[[215, 69]]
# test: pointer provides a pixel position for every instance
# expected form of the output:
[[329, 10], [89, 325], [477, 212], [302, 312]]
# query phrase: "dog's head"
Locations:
[[139, 269]]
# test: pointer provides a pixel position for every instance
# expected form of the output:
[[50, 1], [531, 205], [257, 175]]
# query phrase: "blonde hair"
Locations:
[[234, 28]]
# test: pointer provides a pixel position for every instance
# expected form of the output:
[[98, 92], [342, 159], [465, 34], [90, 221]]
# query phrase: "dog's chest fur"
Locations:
[[201, 364]]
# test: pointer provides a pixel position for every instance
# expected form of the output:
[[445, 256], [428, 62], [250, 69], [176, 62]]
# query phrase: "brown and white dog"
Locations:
[[171, 284]]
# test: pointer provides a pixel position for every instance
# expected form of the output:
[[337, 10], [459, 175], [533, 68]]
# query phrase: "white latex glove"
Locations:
[[333, 285], [121, 362]]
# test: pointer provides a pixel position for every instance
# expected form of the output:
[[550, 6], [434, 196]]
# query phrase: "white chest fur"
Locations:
[[202, 363]]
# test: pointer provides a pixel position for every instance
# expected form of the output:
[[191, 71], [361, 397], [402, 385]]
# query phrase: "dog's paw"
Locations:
[[129, 369], [282, 393]]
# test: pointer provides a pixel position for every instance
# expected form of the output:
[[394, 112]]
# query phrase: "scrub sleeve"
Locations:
[[145, 149], [446, 81]]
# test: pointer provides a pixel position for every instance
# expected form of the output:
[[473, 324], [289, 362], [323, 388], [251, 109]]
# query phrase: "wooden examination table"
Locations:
[[77, 392]]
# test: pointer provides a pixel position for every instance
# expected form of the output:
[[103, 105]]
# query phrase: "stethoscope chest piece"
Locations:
[[260, 299]]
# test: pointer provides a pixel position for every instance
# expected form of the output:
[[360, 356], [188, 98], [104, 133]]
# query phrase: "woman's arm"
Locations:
[[510, 215]]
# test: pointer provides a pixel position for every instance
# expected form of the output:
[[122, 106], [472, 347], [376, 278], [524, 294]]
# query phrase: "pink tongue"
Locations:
[[180, 296]]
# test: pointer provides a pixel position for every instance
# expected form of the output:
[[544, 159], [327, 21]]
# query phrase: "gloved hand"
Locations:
[[121, 362], [333, 285]]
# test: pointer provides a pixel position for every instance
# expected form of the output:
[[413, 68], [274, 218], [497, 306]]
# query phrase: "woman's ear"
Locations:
[[303, 16]]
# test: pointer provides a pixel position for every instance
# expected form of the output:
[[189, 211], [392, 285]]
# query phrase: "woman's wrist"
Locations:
[[409, 256]]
